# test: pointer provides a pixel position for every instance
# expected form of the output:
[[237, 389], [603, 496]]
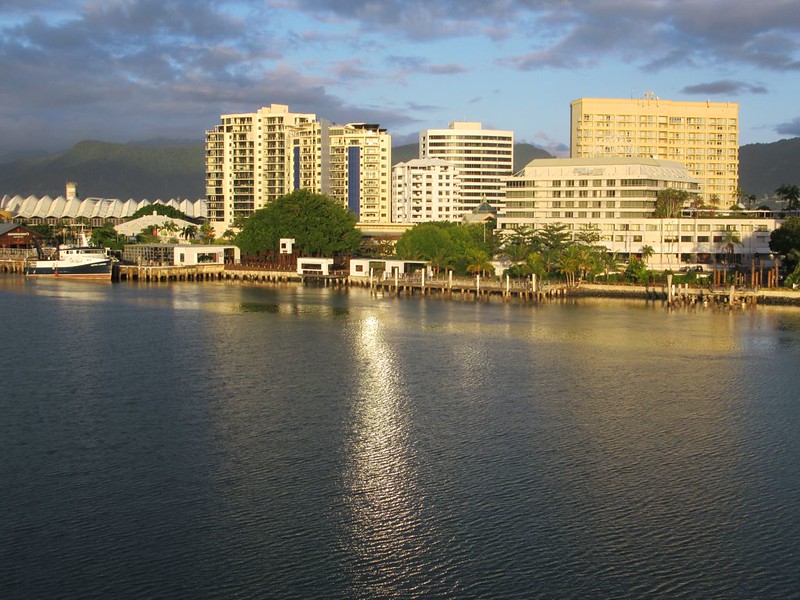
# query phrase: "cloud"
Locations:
[[124, 69], [791, 128], [418, 64], [725, 87], [134, 69], [349, 70], [653, 34]]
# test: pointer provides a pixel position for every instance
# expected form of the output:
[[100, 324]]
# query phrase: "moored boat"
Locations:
[[84, 262]]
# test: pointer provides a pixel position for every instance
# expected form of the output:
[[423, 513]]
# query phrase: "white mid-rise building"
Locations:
[[484, 158], [426, 189], [617, 198]]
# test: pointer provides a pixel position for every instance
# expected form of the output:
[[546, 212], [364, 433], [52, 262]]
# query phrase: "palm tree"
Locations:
[[207, 233], [535, 263], [713, 203], [189, 232], [609, 261], [570, 263], [479, 261], [170, 227], [790, 196], [587, 260], [647, 252], [441, 259], [730, 239]]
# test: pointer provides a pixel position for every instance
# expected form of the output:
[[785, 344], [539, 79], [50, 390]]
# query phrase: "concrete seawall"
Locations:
[[784, 297]]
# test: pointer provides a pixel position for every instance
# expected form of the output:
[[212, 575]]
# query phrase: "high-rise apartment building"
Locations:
[[703, 136], [255, 158], [424, 190], [484, 158], [356, 170], [246, 161]]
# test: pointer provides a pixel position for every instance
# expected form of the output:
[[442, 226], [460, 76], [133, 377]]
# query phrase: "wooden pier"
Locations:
[[474, 289], [459, 288]]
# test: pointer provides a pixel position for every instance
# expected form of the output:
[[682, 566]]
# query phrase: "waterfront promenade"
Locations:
[[476, 288]]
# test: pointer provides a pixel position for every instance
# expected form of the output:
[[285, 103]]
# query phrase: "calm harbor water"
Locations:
[[222, 441]]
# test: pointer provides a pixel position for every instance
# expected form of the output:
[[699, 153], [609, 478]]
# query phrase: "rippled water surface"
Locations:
[[217, 441]]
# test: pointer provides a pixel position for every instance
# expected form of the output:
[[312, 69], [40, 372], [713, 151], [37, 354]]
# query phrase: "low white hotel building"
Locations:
[[617, 196]]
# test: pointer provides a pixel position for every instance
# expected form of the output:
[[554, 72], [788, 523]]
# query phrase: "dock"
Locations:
[[476, 289]]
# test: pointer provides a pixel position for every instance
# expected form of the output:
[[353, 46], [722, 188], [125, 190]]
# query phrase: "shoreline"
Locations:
[[465, 289]]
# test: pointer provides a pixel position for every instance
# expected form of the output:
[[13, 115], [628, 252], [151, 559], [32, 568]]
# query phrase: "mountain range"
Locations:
[[164, 169]]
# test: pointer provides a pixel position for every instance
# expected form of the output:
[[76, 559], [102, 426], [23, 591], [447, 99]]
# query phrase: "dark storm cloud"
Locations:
[[725, 87], [134, 69], [792, 128]]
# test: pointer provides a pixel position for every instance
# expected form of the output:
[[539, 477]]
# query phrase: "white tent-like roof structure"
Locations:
[[103, 208]]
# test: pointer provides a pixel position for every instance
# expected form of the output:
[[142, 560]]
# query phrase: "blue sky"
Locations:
[[131, 70]]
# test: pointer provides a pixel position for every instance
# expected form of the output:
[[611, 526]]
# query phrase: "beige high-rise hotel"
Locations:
[[703, 136]]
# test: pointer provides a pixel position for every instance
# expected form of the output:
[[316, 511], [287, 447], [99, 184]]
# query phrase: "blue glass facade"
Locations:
[[296, 168], [354, 180]]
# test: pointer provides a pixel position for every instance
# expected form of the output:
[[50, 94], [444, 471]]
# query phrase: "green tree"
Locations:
[[636, 270], [535, 263], [517, 245], [207, 234], [170, 228], [319, 225], [647, 253], [189, 232], [588, 237], [553, 236], [479, 261], [444, 244], [785, 239], [160, 209], [790, 196], [148, 235], [44, 229], [608, 262], [106, 236], [570, 263], [424, 241], [669, 203]]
